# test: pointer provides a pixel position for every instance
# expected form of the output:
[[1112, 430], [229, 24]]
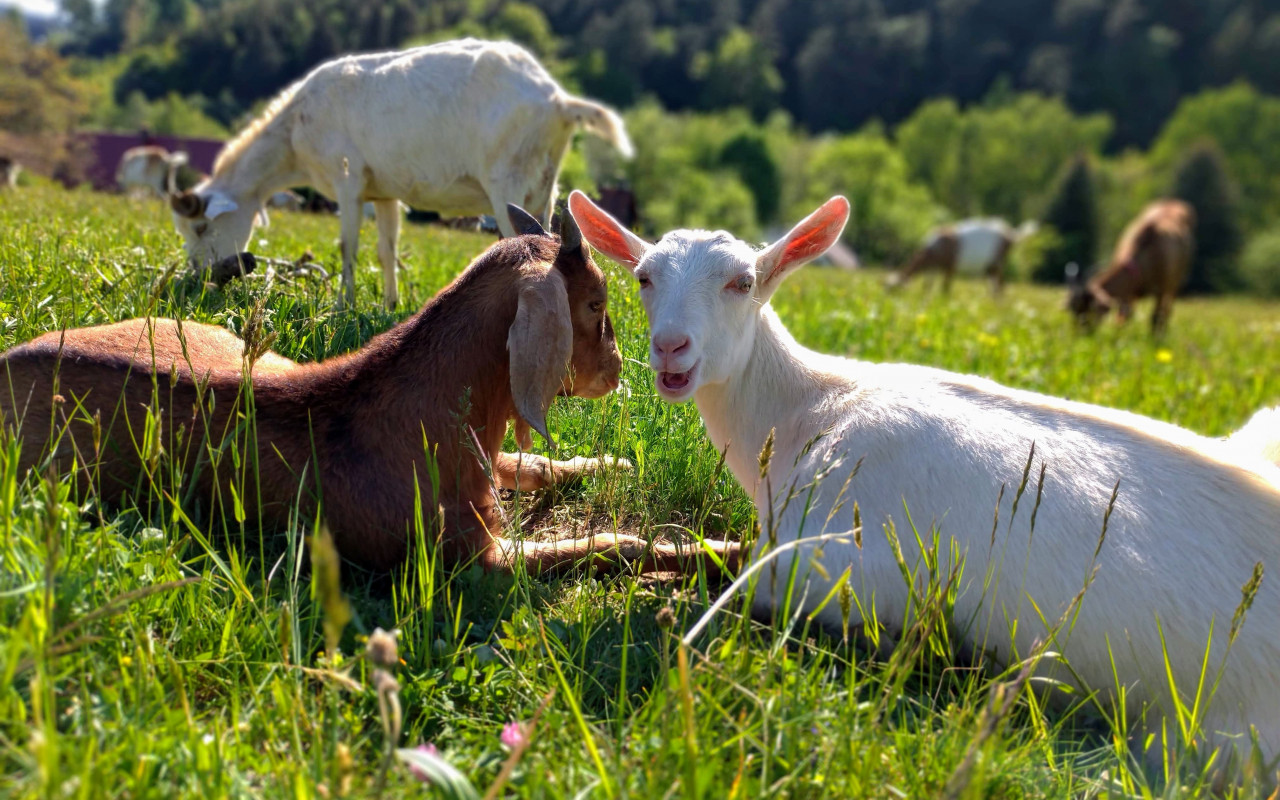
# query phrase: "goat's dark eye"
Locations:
[[596, 306], [740, 284], [644, 281]]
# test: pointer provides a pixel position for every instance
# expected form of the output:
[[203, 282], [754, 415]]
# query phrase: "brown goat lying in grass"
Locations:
[[1152, 257], [346, 438]]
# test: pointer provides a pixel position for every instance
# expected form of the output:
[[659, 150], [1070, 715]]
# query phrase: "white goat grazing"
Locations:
[[1191, 519], [150, 168], [462, 128]]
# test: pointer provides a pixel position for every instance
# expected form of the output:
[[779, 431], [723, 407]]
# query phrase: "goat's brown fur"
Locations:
[[344, 437], [1152, 257]]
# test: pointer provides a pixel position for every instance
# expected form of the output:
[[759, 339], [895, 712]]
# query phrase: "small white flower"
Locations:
[[207, 739], [262, 243]]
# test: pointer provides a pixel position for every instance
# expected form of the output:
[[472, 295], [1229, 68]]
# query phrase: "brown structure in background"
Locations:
[[100, 153]]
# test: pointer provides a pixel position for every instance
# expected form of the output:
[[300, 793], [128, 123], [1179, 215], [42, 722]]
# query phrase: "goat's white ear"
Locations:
[[810, 238], [218, 205], [605, 233], [540, 344]]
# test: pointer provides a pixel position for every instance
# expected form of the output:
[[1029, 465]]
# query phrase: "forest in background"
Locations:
[[748, 112]]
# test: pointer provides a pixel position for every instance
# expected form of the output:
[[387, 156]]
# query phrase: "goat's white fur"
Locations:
[[1192, 516], [149, 167], [460, 127], [980, 241]]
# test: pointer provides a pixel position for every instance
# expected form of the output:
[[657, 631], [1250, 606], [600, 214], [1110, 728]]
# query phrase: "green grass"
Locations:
[[124, 677]]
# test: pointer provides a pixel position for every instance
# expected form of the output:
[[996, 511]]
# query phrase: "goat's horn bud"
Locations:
[[570, 236], [524, 222]]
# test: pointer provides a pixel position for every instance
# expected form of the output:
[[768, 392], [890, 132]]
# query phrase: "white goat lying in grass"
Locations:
[[462, 128], [1191, 519]]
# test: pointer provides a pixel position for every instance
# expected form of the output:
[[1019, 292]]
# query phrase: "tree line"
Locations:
[[1073, 112], [831, 64]]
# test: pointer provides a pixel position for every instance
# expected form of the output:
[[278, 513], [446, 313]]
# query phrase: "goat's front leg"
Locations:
[[526, 471], [610, 553], [476, 530], [387, 213]]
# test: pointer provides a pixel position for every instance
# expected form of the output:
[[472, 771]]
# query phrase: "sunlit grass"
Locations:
[[143, 654]]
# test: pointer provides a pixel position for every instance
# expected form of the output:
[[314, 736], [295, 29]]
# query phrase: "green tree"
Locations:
[[678, 175], [1203, 180], [1260, 264], [748, 155], [1245, 125], [526, 25], [995, 158], [1073, 214], [890, 211], [38, 95], [739, 72]]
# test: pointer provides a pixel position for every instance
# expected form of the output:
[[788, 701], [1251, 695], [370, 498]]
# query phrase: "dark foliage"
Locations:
[[1203, 181], [747, 154], [833, 64], [1073, 213]]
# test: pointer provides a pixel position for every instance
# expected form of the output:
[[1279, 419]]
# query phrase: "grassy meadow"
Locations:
[[141, 656]]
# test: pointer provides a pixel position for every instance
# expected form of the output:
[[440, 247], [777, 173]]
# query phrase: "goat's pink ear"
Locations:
[[540, 344], [605, 233], [810, 238]]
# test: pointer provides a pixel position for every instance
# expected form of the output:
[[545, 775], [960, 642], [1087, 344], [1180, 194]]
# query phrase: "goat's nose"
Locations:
[[670, 344]]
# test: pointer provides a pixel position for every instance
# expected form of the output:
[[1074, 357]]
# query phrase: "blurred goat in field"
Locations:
[[972, 247], [9, 169], [1152, 257], [150, 168]]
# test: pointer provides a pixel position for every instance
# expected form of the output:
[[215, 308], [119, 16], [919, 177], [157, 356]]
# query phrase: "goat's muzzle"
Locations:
[[235, 266]]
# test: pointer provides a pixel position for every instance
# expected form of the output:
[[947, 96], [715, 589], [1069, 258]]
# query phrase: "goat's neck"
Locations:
[[781, 383], [264, 165], [447, 365]]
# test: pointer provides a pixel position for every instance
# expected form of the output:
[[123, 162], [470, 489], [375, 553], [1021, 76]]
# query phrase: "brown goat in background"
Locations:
[[524, 322], [1152, 257]]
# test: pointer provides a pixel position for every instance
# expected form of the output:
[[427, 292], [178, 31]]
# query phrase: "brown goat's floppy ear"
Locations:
[[605, 233], [810, 238], [540, 343], [524, 222], [186, 204]]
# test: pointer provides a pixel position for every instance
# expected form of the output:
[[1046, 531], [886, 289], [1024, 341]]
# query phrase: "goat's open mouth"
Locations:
[[675, 385]]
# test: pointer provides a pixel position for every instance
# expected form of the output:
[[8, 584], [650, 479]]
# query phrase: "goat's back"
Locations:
[[1186, 528], [423, 118], [108, 370], [1162, 236]]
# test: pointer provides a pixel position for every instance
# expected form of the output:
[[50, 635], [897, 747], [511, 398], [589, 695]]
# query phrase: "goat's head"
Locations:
[[213, 224], [562, 319], [703, 291], [1084, 300]]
